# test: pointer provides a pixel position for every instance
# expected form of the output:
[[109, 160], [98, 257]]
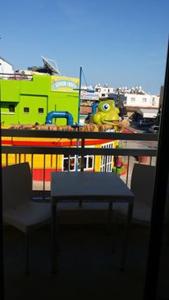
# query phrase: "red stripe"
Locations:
[[53, 144], [41, 175]]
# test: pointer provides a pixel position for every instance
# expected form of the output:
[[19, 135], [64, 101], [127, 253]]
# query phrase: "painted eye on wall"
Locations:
[[106, 106]]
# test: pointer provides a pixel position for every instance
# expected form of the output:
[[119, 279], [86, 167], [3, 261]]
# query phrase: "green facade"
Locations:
[[29, 101]]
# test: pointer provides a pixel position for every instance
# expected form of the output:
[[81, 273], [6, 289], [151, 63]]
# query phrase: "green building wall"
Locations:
[[29, 101]]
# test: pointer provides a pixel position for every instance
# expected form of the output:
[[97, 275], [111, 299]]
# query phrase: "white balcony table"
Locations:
[[92, 187]]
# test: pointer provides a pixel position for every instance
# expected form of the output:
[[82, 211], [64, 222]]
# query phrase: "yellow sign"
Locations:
[[64, 84]]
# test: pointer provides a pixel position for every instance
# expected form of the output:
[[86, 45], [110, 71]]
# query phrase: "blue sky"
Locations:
[[122, 43]]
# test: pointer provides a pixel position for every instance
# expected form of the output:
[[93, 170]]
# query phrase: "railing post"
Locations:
[[82, 164], [82, 156]]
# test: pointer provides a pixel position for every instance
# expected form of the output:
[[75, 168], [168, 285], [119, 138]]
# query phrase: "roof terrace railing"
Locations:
[[15, 76], [129, 150], [131, 145]]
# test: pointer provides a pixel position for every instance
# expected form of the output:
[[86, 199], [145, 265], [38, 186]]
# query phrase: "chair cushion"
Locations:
[[28, 215]]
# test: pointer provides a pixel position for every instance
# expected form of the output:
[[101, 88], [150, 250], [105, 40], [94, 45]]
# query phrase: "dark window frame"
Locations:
[[11, 108], [26, 109], [41, 110]]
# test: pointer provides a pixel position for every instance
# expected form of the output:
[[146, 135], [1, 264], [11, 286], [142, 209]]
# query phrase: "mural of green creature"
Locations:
[[107, 113]]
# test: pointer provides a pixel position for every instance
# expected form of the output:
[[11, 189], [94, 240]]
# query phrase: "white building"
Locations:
[[136, 98], [5, 68], [141, 101], [103, 90], [88, 94]]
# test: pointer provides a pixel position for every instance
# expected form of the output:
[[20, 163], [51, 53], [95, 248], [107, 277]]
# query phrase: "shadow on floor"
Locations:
[[87, 267]]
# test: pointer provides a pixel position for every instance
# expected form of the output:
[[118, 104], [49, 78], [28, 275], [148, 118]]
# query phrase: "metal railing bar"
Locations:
[[16, 74], [7, 160], [127, 175], [78, 134], [32, 167], [82, 157], [69, 164], [44, 171], [32, 158], [80, 151]]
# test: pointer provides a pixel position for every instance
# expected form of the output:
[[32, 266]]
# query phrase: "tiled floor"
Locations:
[[87, 267]]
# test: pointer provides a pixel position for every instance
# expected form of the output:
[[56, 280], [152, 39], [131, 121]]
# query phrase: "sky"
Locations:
[[119, 43]]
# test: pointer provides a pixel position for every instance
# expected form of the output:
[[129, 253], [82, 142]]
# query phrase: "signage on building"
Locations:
[[64, 84]]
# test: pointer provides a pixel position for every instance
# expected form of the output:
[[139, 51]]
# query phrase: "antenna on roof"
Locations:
[[51, 65]]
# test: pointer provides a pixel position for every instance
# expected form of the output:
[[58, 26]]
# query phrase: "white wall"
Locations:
[[5, 67], [103, 91], [135, 100]]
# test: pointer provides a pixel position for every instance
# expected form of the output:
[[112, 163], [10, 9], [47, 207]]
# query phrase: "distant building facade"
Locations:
[[141, 101], [103, 91], [5, 67]]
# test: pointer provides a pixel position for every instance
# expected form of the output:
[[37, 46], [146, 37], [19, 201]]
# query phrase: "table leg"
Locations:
[[125, 243], [80, 203], [27, 237], [110, 223], [109, 218], [53, 238]]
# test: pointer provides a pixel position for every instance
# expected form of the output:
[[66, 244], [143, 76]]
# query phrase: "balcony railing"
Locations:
[[129, 146]]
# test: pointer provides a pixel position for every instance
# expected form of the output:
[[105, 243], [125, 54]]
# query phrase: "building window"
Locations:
[[71, 163], [40, 110], [90, 162], [132, 99], [106, 161], [144, 99], [26, 109], [11, 108]]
